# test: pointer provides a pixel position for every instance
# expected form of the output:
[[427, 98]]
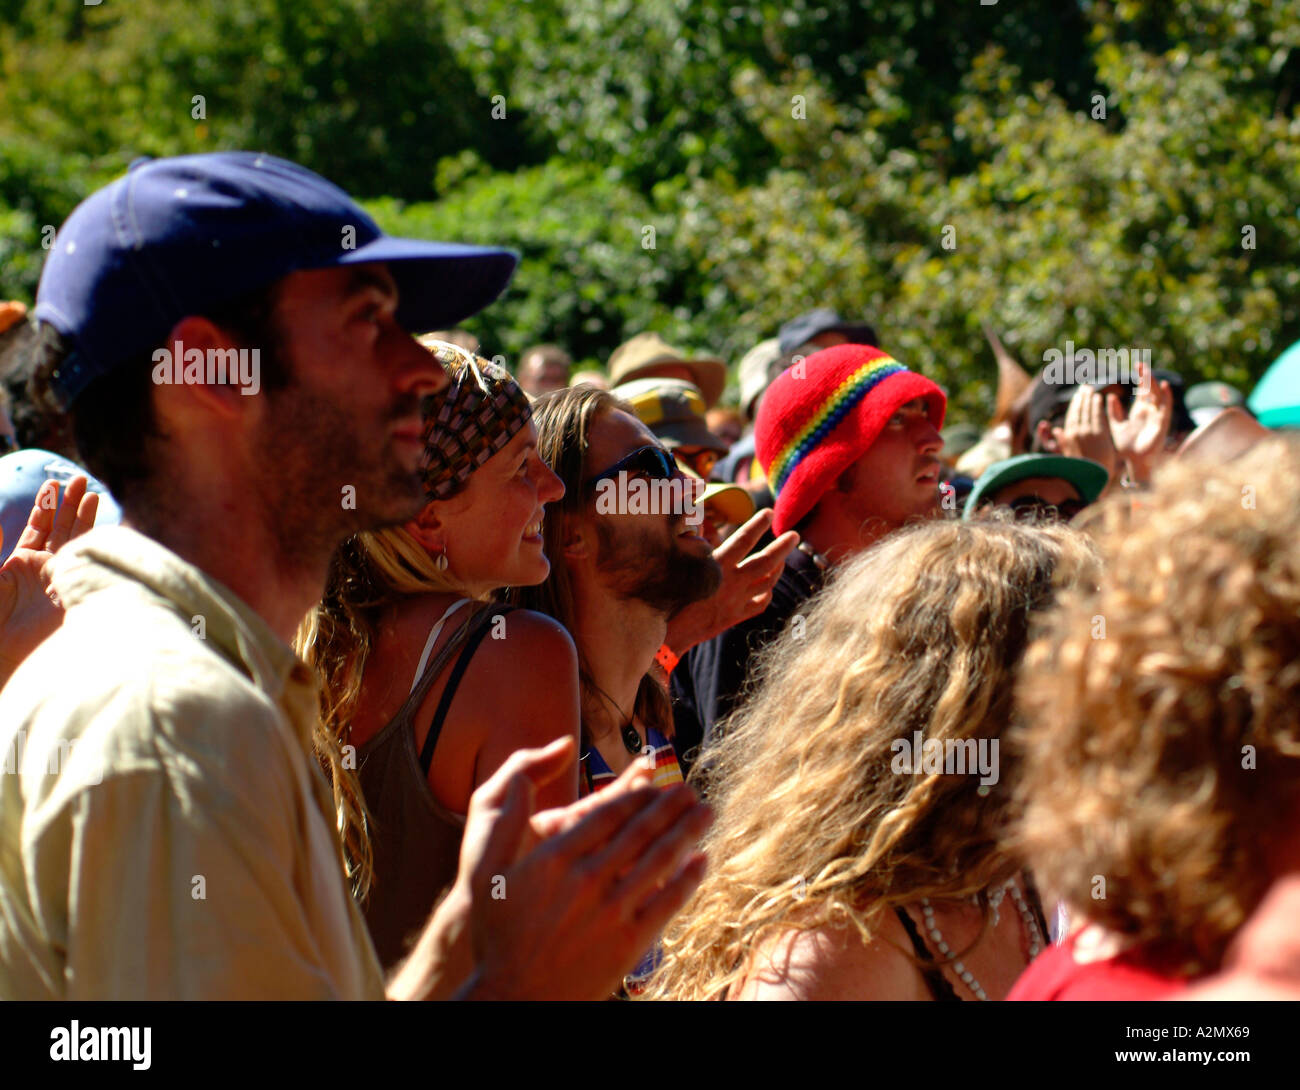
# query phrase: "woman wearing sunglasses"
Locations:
[[428, 682]]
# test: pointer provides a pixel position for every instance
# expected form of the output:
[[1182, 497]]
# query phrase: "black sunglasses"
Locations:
[[648, 461], [1037, 509]]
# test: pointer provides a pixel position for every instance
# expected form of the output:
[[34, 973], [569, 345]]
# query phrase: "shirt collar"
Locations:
[[114, 556]]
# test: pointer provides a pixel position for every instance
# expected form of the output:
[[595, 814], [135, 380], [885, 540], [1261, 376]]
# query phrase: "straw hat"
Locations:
[[639, 357]]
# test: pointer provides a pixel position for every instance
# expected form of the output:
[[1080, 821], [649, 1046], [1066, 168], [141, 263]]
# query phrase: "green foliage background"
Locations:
[[786, 154]]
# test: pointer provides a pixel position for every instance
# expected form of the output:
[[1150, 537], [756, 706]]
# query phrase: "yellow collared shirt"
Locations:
[[165, 832]]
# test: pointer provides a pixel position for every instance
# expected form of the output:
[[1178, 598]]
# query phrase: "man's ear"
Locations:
[[198, 334], [428, 529], [575, 537]]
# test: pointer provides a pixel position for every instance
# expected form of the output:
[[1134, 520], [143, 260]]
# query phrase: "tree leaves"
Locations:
[[926, 166]]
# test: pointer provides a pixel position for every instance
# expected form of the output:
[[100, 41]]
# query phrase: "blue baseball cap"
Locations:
[[799, 331], [182, 236], [21, 475]]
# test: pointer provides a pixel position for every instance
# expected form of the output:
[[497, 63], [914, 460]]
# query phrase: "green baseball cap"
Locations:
[[1087, 476], [1206, 400]]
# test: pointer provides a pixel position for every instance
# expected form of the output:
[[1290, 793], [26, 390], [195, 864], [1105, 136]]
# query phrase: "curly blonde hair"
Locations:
[[813, 826], [1162, 713]]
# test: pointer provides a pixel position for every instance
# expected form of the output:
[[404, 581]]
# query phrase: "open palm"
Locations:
[[28, 611], [1142, 433]]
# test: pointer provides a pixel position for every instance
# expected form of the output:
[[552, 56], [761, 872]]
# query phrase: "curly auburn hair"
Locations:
[[1162, 713], [920, 633]]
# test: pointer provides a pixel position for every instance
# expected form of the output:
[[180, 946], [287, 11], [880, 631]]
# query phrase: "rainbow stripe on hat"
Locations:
[[842, 401]]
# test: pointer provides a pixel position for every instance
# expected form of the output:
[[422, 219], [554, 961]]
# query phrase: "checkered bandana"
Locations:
[[478, 415]]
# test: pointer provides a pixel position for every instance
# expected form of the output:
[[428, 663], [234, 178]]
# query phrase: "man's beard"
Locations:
[[312, 450], [643, 568]]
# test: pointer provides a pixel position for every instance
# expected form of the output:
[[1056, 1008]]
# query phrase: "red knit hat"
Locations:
[[822, 415]]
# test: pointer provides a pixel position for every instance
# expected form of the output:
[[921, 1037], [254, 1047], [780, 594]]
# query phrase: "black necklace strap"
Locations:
[[476, 626], [627, 729]]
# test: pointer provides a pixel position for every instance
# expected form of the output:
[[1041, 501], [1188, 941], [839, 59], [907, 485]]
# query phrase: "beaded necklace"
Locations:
[[995, 900]]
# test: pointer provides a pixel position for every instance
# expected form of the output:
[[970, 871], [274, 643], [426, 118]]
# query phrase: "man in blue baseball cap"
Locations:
[[231, 337]]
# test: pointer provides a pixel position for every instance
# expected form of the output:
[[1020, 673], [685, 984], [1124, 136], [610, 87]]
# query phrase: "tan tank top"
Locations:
[[415, 839]]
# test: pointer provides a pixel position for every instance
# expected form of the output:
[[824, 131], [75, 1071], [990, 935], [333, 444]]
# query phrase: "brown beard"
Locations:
[[643, 569]]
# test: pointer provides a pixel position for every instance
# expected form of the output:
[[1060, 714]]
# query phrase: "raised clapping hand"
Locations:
[[559, 904], [1140, 437], [746, 587], [28, 610], [1087, 433]]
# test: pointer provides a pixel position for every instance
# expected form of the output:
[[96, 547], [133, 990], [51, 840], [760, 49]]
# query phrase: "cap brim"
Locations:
[[711, 378], [439, 283], [857, 332], [688, 433], [710, 375], [732, 502]]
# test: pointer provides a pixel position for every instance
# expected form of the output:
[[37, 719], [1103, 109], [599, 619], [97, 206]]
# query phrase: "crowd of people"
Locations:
[[385, 670]]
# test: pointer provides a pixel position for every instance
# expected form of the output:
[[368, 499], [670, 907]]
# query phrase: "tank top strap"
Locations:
[[434, 633], [476, 627]]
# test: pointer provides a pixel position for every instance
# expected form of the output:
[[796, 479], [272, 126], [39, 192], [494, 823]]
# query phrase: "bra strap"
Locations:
[[483, 622]]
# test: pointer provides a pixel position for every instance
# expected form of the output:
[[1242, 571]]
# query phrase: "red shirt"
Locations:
[[1133, 974]]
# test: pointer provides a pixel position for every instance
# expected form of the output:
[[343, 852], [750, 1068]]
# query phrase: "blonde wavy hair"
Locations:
[[1162, 714], [368, 574], [813, 827]]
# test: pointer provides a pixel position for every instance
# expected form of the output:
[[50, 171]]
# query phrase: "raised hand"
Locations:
[[28, 610], [1086, 433], [1140, 436], [746, 587]]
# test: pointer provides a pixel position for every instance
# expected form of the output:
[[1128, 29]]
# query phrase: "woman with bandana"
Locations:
[[428, 682]]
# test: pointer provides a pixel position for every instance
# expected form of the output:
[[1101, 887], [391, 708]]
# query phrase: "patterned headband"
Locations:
[[476, 416]]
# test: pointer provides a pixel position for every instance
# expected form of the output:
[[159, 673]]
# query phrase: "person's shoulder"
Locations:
[[525, 662], [161, 696], [1045, 977], [831, 963], [523, 679], [524, 642], [1072, 971], [154, 649]]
